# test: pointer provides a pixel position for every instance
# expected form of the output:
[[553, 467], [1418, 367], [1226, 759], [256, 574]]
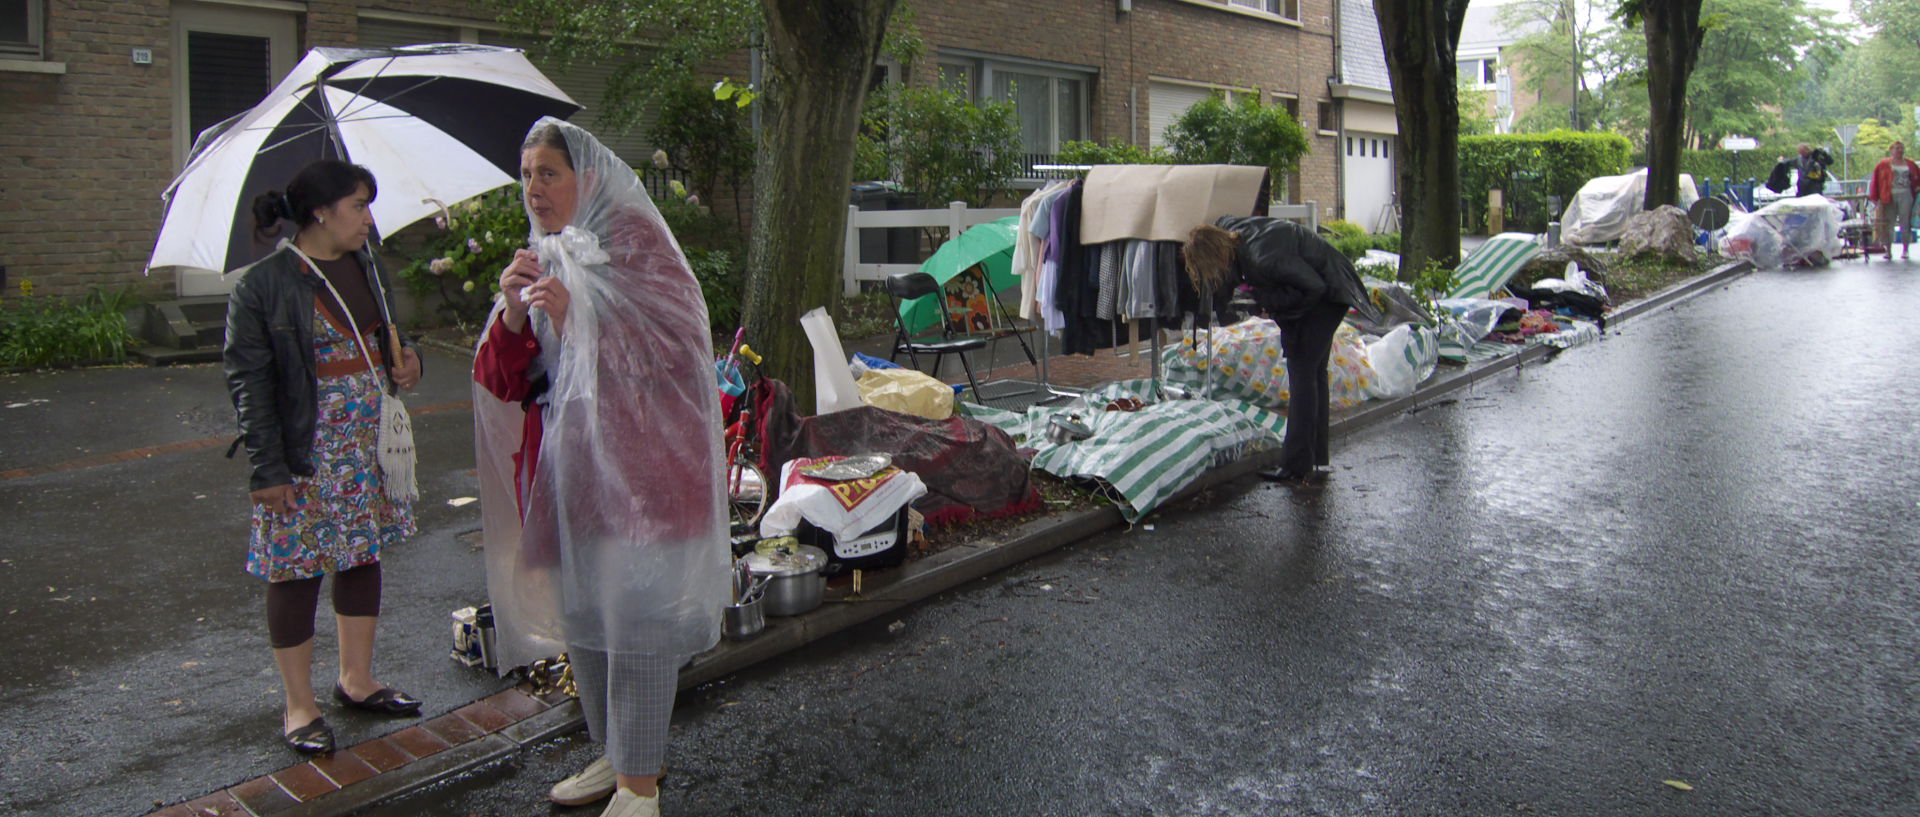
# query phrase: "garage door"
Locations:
[[1368, 180]]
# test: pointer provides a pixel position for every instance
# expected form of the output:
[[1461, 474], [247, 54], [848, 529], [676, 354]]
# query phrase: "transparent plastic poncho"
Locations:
[[623, 543]]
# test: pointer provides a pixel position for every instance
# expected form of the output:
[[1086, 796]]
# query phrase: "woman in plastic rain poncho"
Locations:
[[598, 436]]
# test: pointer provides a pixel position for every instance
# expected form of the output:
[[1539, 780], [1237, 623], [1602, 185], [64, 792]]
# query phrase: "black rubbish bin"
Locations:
[[892, 245]]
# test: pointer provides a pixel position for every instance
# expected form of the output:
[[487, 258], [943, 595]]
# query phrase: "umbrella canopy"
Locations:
[[989, 245], [434, 123]]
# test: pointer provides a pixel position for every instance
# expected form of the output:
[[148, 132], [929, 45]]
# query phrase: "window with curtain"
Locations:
[[1051, 108], [20, 28], [957, 76]]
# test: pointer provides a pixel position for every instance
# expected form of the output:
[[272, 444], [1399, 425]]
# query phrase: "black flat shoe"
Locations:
[[1294, 478], [313, 739], [386, 701]]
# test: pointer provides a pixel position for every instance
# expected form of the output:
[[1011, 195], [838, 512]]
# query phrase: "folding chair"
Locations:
[[1491, 265], [912, 286]]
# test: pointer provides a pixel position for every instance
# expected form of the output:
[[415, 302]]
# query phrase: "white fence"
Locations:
[[956, 217], [1308, 214]]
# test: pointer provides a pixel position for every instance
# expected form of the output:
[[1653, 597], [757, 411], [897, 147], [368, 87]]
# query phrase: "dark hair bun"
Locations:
[[268, 209]]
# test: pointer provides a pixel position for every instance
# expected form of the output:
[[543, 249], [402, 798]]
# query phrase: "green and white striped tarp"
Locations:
[[1490, 266], [1144, 456], [1572, 333]]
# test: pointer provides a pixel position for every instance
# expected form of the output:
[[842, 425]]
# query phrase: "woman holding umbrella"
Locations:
[[307, 338], [598, 436]]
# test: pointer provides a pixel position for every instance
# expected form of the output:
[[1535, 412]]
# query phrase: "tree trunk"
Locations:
[[820, 54], [1421, 37], [1673, 44]]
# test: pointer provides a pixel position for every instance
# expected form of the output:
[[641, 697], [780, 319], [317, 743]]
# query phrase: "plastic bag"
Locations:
[[833, 387], [1473, 318], [1401, 360], [861, 363], [907, 391], [1396, 304], [1576, 281]]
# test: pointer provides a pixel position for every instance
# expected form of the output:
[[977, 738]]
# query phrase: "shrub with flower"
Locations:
[[462, 264]]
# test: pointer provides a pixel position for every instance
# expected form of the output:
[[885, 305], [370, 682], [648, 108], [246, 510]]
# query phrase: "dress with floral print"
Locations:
[[343, 518]]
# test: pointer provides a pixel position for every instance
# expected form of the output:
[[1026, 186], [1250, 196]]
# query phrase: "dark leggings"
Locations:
[[291, 604]]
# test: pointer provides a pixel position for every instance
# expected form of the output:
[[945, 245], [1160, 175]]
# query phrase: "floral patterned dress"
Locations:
[[343, 517]]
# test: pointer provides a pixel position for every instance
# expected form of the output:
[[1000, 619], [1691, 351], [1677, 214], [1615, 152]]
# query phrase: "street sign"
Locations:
[[1739, 143], [1846, 134]]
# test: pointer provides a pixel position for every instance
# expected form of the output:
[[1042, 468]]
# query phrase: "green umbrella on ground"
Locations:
[[982, 249]]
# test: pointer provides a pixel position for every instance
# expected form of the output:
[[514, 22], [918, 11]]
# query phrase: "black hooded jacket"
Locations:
[[1290, 269]]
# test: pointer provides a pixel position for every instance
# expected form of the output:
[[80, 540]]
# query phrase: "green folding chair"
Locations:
[[1491, 265]]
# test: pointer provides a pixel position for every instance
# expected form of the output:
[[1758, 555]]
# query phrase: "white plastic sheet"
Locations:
[[1599, 212], [1576, 280], [1804, 230]]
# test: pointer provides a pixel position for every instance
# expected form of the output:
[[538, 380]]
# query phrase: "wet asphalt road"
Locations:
[[137, 670], [1686, 553]]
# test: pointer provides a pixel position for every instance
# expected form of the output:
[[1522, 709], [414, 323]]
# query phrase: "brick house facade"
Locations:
[[97, 109]]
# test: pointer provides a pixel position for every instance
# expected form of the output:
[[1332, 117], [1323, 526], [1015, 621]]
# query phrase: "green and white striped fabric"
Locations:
[[1452, 349], [1572, 333], [1144, 456], [1490, 266]]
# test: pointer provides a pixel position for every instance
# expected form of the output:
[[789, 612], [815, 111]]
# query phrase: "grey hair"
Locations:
[[549, 135]]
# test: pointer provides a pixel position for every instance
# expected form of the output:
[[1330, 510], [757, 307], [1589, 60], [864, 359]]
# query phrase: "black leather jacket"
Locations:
[[1291, 269], [270, 367]]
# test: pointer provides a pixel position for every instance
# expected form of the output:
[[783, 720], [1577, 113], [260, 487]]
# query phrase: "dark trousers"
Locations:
[[1308, 343]]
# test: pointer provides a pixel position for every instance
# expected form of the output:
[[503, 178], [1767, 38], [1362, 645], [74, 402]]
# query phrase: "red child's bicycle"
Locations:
[[746, 485]]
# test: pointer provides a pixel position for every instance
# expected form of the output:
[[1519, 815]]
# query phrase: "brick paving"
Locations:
[[303, 782]]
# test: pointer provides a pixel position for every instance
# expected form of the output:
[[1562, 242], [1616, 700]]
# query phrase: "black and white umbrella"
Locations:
[[434, 123]]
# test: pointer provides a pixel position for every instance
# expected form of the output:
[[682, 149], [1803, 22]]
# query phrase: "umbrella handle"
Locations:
[[446, 214]]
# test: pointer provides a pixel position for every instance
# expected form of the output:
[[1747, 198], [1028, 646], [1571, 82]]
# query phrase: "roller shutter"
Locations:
[[1166, 101]]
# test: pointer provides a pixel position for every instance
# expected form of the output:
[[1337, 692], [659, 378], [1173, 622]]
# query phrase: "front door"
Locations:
[[226, 59]]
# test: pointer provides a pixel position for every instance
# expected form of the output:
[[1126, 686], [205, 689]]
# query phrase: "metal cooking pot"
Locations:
[[745, 620], [1063, 429], [795, 583]]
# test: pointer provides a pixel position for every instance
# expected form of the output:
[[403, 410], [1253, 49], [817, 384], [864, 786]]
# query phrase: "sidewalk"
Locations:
[[501, 724]]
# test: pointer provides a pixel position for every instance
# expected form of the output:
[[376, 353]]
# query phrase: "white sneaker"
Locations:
[[592, 783], [627, 804]]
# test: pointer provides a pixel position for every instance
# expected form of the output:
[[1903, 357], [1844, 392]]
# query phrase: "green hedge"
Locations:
[[1529, 167]]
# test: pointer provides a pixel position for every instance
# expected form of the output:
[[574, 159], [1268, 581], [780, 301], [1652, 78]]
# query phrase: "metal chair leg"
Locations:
[[973, 385]]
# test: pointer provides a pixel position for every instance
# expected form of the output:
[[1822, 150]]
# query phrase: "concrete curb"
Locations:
[[917, 581]]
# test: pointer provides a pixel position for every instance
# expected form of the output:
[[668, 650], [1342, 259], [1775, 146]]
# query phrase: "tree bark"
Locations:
[[1673, 45], [1421, 38], [819, 55]]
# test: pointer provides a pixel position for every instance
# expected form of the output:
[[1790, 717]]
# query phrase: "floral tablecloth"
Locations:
[[1247, 364]]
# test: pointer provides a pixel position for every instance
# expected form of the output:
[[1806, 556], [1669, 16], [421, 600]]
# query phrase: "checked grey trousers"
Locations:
[[627, 699]]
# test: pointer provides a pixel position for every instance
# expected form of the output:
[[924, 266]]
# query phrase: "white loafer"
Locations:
[[627, 804], [592, 783]]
